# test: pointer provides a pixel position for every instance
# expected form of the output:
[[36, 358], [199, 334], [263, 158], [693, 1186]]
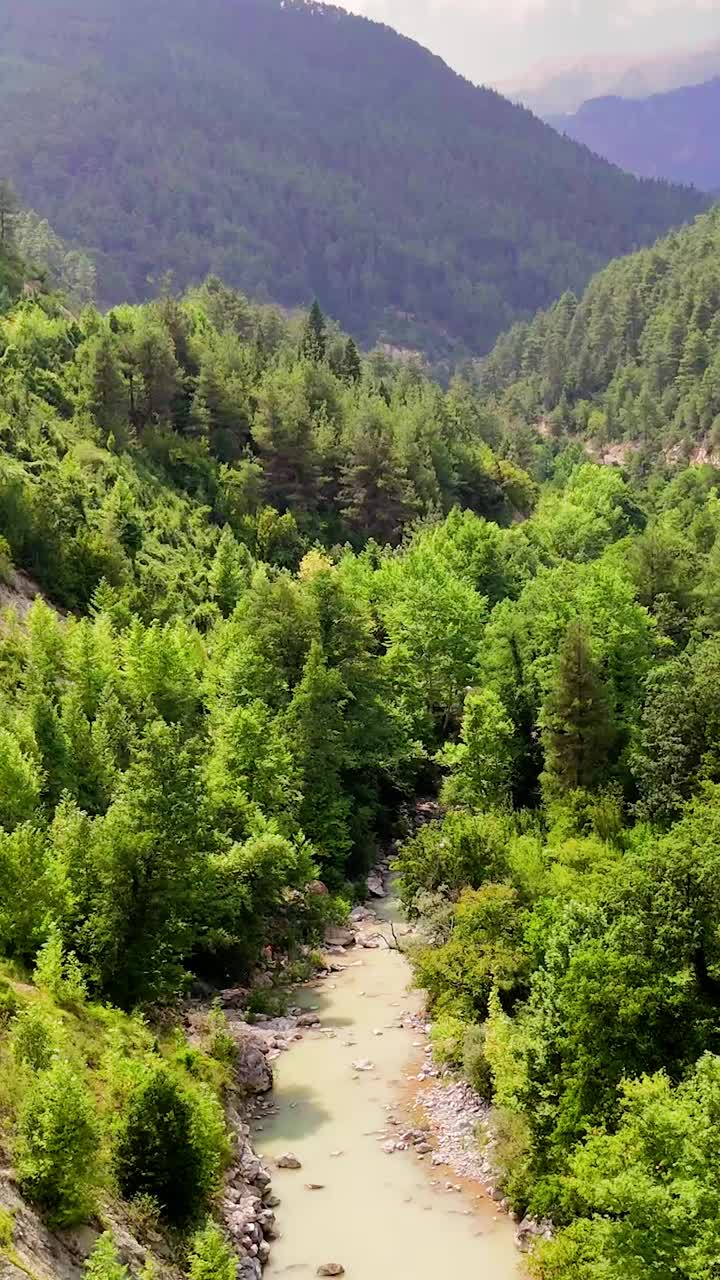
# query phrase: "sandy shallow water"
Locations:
[[378, 1215]]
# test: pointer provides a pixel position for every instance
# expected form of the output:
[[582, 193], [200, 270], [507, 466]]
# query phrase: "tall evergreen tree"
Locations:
[[314, 339], [576, 721]]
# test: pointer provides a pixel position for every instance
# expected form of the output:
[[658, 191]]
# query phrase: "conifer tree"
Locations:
[[576, 718], [350, 368], [314, 340], [9, 210]]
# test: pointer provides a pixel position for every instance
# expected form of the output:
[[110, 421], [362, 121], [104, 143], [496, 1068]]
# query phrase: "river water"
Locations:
[[377, 1215]]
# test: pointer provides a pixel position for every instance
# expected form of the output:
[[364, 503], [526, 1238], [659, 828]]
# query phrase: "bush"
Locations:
[[476, 1068], [222, 1044], [58, 974], [56, 1156], [34, 1038], [7, 1228], [168, 1146], [9, 1004], [103, 1263], [211, 1257], [447, 1036]]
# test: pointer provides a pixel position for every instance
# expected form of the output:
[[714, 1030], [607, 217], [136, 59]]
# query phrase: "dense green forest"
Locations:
[[284, 587], [296, 151], [636, 358]]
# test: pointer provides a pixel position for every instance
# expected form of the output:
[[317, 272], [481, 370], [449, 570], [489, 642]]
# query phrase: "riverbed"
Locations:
[[379, 1216]]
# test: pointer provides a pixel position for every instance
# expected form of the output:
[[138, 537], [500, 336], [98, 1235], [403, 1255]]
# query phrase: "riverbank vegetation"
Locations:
[[281, 587]]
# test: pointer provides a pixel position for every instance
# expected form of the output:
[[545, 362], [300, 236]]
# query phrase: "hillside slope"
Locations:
[[669, 135], [296, 150], [637, 357]]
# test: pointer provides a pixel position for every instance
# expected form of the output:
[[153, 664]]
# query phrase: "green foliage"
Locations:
[[103, 1263], [307, 197], [211, 1257], [34, 1039], [169, 1146], [7, 1228], [57, 1149]]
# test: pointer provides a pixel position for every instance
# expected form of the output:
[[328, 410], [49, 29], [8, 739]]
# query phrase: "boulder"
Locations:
[[288, 1161], [317, 889], [331, 1269], [253, 1072], [376, 885], [335, 936]]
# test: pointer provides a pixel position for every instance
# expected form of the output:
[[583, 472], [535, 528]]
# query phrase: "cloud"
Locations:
[[493, 39]]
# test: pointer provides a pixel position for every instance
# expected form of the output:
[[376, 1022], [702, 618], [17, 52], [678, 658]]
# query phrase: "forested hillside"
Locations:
[[299, 151], [668, 135], [283, 588], [636, 358]]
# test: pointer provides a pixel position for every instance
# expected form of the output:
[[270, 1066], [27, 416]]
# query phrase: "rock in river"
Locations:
[[331, 1269], [288, 1161]]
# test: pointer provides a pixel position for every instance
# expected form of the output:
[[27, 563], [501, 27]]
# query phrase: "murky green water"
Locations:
[[378, 1215]]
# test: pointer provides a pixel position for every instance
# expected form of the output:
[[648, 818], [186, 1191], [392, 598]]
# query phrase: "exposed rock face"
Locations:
[[376, 884], [253, 1072]]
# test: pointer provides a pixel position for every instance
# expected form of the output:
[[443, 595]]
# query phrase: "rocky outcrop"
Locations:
[[253, 1073]]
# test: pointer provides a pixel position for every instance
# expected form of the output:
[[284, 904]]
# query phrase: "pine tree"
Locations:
[[314, 340], [350, 368], [576, 718]]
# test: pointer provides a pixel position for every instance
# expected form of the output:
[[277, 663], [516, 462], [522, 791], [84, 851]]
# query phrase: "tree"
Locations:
[[576, 725], [9, 210], [481, 763], [58, 1143], [159, 1151], [350, 367], [229, 572], [102, 384], [313, 343]]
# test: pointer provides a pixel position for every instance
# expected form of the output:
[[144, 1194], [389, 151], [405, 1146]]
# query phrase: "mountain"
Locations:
[[560, 88], [636, 358], [669, 135], [297, 150]]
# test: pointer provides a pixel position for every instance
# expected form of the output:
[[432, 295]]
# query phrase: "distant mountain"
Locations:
[[560, 88], [670, 135], [636, 358], [297, 150]]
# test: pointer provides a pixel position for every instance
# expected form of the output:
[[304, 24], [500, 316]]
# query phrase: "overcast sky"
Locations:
[[496, 40]]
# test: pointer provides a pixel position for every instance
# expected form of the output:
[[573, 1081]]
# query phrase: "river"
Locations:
[[378, 1215]]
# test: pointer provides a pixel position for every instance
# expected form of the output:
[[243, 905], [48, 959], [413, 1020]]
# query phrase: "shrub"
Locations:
[[56, 1155], [104, 1263], [7, 1227], [58, 974], [211, 1257], [9, 1004], [222, 1045], [168, 1146], [476, 1068], [34, 1038], [447, 1036]]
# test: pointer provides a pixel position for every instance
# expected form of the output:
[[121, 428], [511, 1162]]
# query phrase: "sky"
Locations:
[[496, 41]]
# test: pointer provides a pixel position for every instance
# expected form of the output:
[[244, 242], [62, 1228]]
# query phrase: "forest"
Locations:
[[282, 588], [296, 150], [634, 359]]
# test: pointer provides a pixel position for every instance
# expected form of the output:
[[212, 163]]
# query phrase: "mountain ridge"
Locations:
[[668, 135], [332, 157]]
